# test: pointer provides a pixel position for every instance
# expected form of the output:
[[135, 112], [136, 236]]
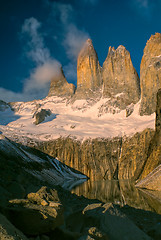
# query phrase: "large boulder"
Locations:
[[40, 213], [150, 74], [104, 221], [120, 79]]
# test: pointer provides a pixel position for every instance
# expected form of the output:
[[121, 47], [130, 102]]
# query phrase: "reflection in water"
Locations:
[[121, 192]]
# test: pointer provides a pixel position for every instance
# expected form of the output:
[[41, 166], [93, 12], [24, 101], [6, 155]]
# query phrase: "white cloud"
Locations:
[[74, 41], [35, 47], [36, 86], [72, 38], [63, 14], [41, 76]]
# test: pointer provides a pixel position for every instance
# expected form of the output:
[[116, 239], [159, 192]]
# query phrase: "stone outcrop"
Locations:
[[60, 87], [89, 80], [40, 115], [150, 74], [120, 79], [38, 214]]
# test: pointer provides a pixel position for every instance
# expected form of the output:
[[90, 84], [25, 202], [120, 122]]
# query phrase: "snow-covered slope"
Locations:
[[80, 120], [35, 163]]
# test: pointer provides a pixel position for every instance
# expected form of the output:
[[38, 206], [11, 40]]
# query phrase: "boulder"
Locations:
[[32, 216], [110, 220]]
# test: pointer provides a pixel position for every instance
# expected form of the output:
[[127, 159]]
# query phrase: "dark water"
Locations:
[[121, 192]]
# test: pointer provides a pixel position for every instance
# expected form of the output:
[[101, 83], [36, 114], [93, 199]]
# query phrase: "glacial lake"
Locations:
[[122, 192]]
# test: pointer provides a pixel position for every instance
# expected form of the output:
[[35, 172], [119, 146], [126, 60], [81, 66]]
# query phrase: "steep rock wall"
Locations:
[[154, 151], [150, 74], [117, 158], [89, 79], [120, 79]]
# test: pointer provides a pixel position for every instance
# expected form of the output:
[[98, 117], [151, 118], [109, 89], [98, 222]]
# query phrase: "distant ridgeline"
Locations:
[[117, 80]]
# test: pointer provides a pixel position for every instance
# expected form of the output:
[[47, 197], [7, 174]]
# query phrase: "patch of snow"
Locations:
[[68, 121]]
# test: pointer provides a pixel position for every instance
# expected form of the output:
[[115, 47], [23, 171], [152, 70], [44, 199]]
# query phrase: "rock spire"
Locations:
[[120, 79], [150, 74], [89, 80], [60, 87]]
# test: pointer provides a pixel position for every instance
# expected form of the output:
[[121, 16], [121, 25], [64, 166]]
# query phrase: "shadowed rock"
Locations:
[[41, 115], [8, 231]]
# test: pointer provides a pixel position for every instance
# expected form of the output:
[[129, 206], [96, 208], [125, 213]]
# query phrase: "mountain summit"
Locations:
[[89, 80], [60, 87], [150, 74], [120, 79]]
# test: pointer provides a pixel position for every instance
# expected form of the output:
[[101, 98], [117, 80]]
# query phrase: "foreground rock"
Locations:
[[8, 231], [120, 79], [41, 213], [104, 221], [150, 74]]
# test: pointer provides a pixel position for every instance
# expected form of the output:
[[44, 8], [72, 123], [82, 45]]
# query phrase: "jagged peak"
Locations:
[[87, 49], [153, 45], [89, 41], [121, 48], [155, 38]]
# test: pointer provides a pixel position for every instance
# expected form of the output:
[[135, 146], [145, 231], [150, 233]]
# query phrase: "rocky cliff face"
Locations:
[[60, 87], [150, 74], [117, 158], [154, 151], [89, 80], [120, 79]]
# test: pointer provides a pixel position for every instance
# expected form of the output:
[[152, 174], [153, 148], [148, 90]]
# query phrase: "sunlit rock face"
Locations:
[[117, 158], [154, 150], [89, 80], [120, 79], [150, 74], [60, 87]]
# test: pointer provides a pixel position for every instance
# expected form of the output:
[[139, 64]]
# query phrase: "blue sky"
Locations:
[[38, 36]]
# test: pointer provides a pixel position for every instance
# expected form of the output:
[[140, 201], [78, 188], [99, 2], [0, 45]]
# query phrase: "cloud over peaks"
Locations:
[[35, 47]]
